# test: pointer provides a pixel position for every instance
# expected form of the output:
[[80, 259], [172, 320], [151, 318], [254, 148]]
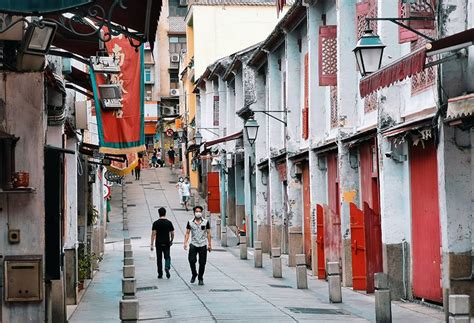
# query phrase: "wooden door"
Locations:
[[332, 220], [426, 236], [370, 194], [320, 241], [306, 213], [358, 250], [213, 192]]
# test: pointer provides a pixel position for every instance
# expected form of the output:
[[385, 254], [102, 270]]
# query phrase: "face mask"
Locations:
[[180, 179], [198, 215]]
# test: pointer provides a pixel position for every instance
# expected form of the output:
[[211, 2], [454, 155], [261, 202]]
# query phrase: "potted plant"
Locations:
[[92, 214], [85, 262]]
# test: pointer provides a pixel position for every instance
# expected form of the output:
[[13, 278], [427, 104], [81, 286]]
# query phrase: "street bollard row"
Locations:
[[124, 207], [129, 303], [301, 274], [243, 247], [276, 263], [334, 282]]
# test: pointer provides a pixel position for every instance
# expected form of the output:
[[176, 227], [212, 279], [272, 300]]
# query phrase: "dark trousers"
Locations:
[[193, 252], [160, 252], [137, 173]]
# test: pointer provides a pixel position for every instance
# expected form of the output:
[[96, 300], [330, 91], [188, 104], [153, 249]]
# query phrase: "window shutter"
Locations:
[[365, 9], [418, 8], [328, 55], [305, 116]]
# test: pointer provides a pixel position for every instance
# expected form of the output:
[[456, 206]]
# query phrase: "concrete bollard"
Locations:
[[459, 309], [218, 229], [383, 302], [257, 255], [224, 237], [128, 271], [127, 254], [127, 241], [334, 282], [276, 263], [243, 247], [129, 310], [301, 275], [127, 247], [128, 261], [129, 286]]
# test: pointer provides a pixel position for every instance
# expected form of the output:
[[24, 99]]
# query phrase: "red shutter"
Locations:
[[419, 8], [305, 121], [328, 55], [365, 9]]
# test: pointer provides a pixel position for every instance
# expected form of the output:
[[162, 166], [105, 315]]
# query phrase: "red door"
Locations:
[[371, 208], [359, 272], [332, 219], [306, 213], [213, 192], [426, 236], [320, 241]]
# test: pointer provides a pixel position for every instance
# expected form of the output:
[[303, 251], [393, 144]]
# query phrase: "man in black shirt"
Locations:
[[162, 236]]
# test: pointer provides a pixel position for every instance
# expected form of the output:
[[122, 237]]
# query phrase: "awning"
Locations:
[[396, 71], [133, 19], [462, 106], [79, 78], [405, 127], [464, 38], [37, 7], [150, 128], [234, 136]]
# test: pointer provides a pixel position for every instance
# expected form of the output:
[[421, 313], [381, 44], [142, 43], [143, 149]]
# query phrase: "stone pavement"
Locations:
[[233, 290]]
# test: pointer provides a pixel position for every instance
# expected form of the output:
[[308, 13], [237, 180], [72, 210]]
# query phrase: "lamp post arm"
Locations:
[[268, 114], [398, 21]]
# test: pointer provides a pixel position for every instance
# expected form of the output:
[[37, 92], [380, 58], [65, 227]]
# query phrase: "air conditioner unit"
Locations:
[[81, 115], [174, 58], [174, 92], [105, 64], [167, 111], [110, 96]]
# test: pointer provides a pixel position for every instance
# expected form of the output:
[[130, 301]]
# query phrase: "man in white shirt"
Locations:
[[186, 192]]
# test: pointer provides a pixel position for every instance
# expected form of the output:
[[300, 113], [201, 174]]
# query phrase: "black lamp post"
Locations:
[[198, 138]]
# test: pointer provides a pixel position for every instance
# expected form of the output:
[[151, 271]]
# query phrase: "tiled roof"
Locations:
[[236, 2], [177, 25]]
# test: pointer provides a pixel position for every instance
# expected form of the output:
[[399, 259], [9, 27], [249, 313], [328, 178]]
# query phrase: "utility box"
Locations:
[[23, 278]]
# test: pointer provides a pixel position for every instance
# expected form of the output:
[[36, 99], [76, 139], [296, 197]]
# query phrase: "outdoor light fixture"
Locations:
[[251, 128], [369, 53], [105, 64], [198, 138], [38, 38], [110, 96], [180, 132]]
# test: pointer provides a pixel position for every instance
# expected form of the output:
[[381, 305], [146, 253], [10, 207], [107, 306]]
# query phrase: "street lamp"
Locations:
[[180, 133], [198, 138], [251, 128], [369, 52]]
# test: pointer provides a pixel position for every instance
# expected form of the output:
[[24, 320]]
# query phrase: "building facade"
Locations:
[[372, 172]]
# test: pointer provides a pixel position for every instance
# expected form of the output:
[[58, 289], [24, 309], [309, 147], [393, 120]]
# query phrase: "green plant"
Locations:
[[92, 214], [85, 262]]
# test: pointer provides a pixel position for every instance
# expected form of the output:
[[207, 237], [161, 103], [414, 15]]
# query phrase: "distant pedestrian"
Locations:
[[138, 169], [186, 192], [179, 185], [154, 159], [171, 154], [199, 230], [162, 236], [159, 157]]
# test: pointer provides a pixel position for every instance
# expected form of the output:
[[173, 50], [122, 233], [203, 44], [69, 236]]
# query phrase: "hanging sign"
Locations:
[[122, 131]]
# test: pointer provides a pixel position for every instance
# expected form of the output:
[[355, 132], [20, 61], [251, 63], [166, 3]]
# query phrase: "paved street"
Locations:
[[233, 290]]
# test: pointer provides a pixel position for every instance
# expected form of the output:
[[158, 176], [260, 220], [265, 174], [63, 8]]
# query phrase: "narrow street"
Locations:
[[233, 290]]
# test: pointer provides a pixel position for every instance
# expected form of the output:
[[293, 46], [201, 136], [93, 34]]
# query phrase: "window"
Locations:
[[216, 110], [177, 43], [174, 79], [177, 8], [328, 55], [148, 75]]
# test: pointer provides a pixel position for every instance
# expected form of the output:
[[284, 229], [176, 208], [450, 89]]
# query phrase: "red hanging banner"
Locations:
[[122, 131]]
